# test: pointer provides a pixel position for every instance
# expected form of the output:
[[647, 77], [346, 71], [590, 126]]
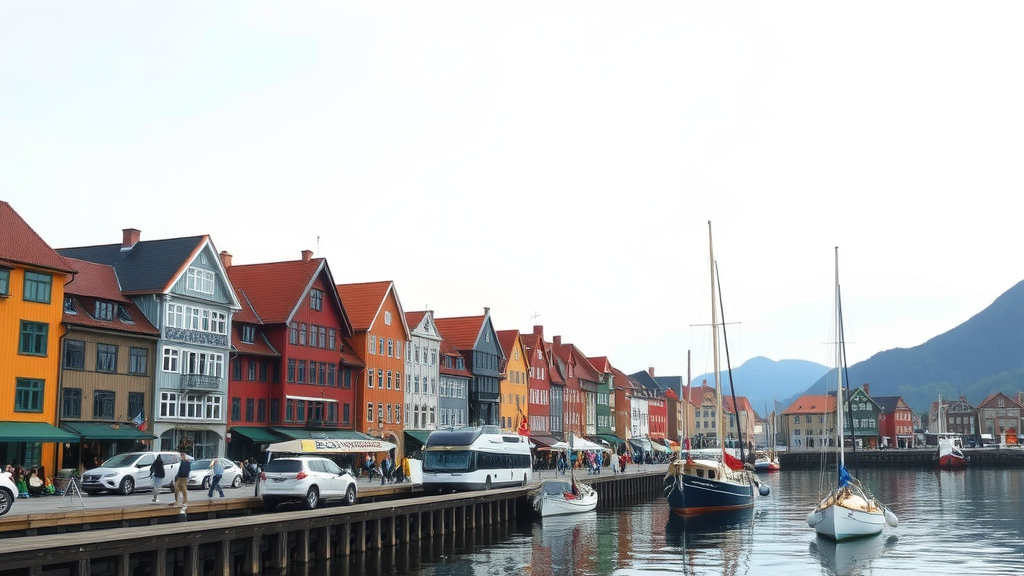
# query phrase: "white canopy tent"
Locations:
[[580, 444]]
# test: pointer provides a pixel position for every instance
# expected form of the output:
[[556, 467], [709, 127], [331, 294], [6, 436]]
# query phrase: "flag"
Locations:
[[140, 420]]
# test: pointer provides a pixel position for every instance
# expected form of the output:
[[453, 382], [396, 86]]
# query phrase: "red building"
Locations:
[[895, 422], [287, 380]]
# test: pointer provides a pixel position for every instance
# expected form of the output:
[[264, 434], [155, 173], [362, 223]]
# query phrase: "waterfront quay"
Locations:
[[233, 536], [907, 458]]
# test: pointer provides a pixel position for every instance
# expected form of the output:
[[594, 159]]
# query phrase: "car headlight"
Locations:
[[110, 475]]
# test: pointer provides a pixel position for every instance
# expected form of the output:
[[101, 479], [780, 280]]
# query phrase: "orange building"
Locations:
[[514, 410], [380, 334], [32, 279]]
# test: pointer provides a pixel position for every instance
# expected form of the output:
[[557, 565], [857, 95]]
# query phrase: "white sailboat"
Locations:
[[767, 460], [847, 510], [561, 497]]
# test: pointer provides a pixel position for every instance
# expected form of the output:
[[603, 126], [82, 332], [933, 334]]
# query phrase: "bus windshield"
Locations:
[[447, 461]]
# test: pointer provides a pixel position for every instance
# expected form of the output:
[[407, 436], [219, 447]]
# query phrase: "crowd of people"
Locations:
[[30, 481]]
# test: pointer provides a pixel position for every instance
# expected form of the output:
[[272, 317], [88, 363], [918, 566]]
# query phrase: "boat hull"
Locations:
[[690, 495], [839, 523], [555, 506], [761, 466]]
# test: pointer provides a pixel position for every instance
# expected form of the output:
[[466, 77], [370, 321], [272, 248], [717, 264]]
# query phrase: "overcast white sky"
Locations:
[[552, 158]]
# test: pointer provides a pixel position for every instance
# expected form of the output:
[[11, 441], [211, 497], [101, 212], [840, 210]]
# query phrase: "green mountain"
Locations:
[[982, 356]]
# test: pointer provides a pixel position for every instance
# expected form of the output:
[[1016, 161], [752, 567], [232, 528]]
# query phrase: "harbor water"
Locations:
[[951, 522]]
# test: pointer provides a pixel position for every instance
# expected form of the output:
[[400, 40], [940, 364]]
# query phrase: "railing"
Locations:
[[200, 382]]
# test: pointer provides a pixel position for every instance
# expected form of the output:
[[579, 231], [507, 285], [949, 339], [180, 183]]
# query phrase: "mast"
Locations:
[[728, 367], [840, 363], [714, 347]]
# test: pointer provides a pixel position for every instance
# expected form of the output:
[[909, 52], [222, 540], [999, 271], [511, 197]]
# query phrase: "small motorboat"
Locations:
[[558, 497]]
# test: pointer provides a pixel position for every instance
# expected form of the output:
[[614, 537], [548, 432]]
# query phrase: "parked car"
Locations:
[[306, 479], [8, 491], [127, 472], [202, 475]]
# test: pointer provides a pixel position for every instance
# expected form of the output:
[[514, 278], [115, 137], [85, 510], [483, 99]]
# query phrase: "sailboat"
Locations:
[[950, 452], [767, 460], [720, 482], [847, 510], [559, 497]]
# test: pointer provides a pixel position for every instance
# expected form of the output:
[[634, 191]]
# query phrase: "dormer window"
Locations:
[[104, 310], [69, 305], [123, 314], [316, 299], [248, 334], [199, 280]]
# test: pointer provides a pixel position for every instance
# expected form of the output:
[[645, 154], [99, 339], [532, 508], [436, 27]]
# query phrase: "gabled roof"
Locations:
[[463, 331], [584, 369], [601, 364], [150, 266], [363, 302], [995, 395], [812, 404], [19, 244], [507, 340], [448, 349], [414, 318], [99, 282], [260, 346], [349, 356], [888, 404], [744, 404]]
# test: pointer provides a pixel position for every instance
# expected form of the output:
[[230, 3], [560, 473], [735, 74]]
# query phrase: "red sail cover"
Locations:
[[733, 462]]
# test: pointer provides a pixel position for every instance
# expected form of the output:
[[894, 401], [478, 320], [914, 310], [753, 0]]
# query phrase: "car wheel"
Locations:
[[350, 495], [127, 486], [206, 483], [269, 504], [487, 483], [6, 501], [312, 497], [236, 482]]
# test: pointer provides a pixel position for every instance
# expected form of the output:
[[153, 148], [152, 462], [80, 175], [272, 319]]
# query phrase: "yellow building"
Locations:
[[32, 278], [515, 380]]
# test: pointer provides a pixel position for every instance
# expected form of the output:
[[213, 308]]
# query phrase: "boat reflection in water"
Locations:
[[850, 557], [563, 539], [729, 535]]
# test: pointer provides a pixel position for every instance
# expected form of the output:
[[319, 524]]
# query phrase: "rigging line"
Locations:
[[846, 376], [728, 367]]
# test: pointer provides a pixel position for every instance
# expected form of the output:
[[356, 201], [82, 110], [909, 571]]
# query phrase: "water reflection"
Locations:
[[851, 557], [723, 539]]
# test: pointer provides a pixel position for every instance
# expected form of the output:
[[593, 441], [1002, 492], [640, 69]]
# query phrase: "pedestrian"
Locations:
[[615, 462], [218, 472], [181, 481], [157, 473], [622, 463], [385, 470], [19, 482], [599, 460]]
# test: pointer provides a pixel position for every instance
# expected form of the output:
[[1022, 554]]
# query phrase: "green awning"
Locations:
[[613, 440], [105, 431], [34, 432], [418, 435], [318, 434], [257, 433]]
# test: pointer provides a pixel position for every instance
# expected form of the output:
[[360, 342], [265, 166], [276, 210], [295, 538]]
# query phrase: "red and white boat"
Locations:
[[950, 453]]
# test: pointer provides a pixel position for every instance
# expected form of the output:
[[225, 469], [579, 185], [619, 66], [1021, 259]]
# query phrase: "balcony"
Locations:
[[200, 382]]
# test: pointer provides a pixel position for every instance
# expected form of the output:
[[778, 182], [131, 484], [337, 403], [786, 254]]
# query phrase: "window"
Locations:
[[261, 410], [200, 280], [33, 338], [302, 334], [69, 305], [104, 310], [389, 386], [398, 414], [248, 334], [74, 354], [291, 370], [332, 338], [316, 299], [236, 409], [387, 318], [103, 404], [275, 410], [123, 314], [250, 407], [391, 349], [71, 403], [301, 375], [293, 333], [37, 287], [289, 409], [346, 413], [171, 363], [138, 361], [28, 395], [398, 380], [106, 358], [136, 404], [175, 316], [5, 282], [252, 370], [369, 411]]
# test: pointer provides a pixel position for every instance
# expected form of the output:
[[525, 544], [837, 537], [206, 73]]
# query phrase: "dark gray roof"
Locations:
[[645, 379], [148, 267], [887, 403]]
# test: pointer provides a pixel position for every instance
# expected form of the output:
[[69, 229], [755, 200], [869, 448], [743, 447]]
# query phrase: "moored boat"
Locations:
[[560, 497], [950, 452]]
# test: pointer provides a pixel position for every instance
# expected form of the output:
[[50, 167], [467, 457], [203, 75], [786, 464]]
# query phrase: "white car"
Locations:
[[202, 475], [126, 472], [8, 491], [305, 479]]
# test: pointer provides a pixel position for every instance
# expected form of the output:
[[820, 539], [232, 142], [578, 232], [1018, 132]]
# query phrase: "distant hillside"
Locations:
[[983, 355], [762, 379]]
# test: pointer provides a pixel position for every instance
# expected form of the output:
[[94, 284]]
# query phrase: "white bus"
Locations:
[[477, 458]]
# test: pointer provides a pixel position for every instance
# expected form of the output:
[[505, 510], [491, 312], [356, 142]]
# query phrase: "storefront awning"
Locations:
[[543, 442], [35, 432], [659, 447], [257, 433], [317, 434], [418, 435], [105, 431], [614, 441]]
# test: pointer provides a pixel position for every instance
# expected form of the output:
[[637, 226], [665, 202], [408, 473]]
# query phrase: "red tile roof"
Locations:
[[414, 318], [448, 349], [364, 300], [462, 331], [96, 280], [99, 282], [19, 244], [812, 404], [258, 347], [507, 340], [275, 289]]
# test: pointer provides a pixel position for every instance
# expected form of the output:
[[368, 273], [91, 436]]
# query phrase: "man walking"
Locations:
[[218, 472], [181, 481]]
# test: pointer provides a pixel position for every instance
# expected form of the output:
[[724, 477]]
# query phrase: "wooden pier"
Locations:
[[237, 539], [909, 458]]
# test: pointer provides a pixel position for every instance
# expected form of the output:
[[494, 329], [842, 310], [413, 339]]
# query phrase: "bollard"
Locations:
[[182, 516]]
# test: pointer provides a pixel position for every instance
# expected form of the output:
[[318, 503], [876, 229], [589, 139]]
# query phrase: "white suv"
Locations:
[[7, 492], [126, 472], [306, 479]]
